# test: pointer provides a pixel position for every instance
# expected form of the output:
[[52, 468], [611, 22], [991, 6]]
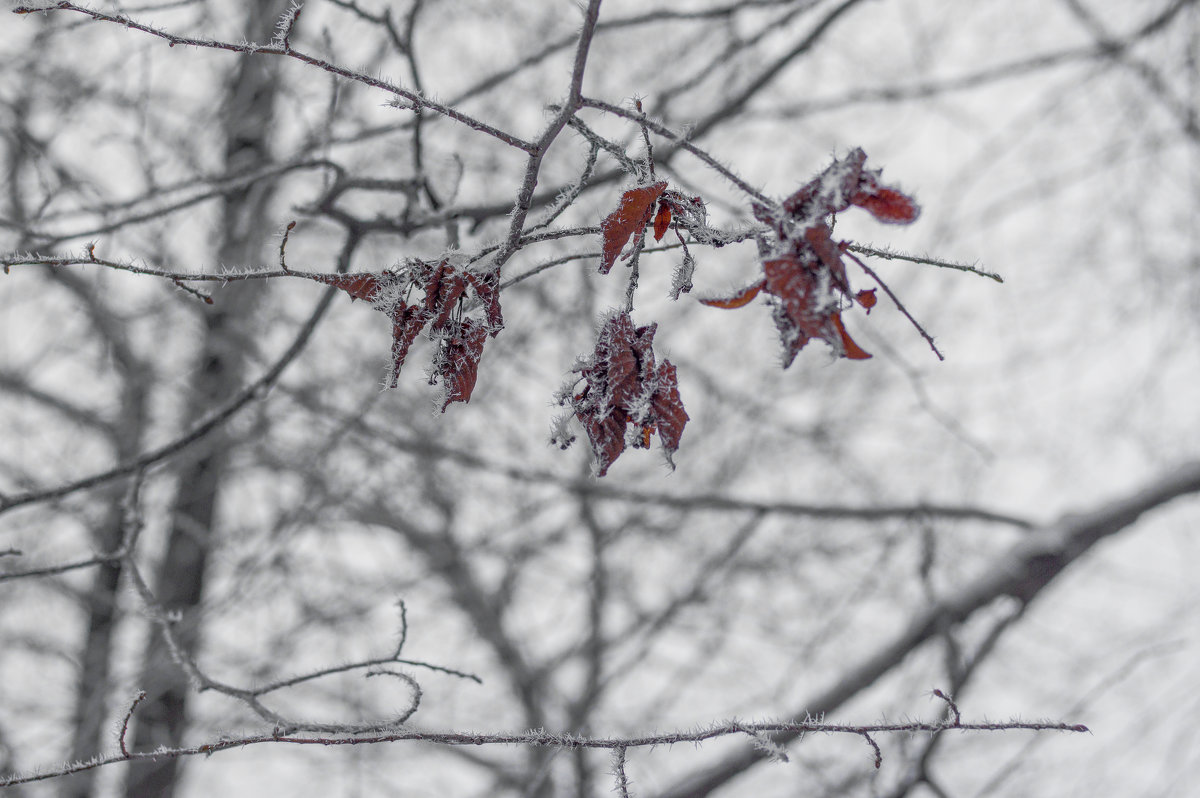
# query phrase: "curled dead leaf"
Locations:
[[739, 299]]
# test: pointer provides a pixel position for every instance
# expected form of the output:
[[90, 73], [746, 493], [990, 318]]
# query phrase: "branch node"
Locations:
[[403, 628], [283, 28], [287, 231], [874, 747], [203, 297], [950, 703], [619, 771]]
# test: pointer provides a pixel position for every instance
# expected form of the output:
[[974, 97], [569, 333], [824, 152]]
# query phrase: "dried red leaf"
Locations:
[[667, 407], [845, 182], [828, 192], [407, 323], [630, 217], [443, 288], [487, 290], [866, 298], [851, 349], [358, 286], [795, 287], [643, 350], [607, 436], [818, 237], [743, 297], [797, 307], [886, 204], [662, 220], [614, 373], [803, 313], [457, 364]]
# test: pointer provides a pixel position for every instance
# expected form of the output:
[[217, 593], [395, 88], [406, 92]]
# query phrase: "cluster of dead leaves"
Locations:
[[446, 291], [625, 397], [806, 276]]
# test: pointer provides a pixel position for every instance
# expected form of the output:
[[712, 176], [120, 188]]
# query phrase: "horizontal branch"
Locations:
[[59, 261], [89, 258], [832, 512], [709, 501], [201, 189], [54, 570], [544, 739]]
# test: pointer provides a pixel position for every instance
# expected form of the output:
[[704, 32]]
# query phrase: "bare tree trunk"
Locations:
[[246, 117], [94, 686]]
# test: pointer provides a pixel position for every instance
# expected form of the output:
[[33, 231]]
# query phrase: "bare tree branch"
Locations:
[[1021, 573], [557, 741]]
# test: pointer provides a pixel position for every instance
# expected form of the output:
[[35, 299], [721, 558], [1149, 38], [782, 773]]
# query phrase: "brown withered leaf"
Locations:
[[741, 298], [358, 286], [662, 220], [629, 219], [457, 360]]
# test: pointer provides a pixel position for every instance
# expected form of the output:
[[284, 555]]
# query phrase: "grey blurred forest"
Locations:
[[233, 562]]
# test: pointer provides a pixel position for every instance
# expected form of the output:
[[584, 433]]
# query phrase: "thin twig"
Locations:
[[538, 150], [287, 231], [196, 292], [54, 570], [683, 143], [874, 747], [125, 722], [368, 663], [214, 187], [924, 260], [899, 304], [646, 138], [619, 771], [950, 704]]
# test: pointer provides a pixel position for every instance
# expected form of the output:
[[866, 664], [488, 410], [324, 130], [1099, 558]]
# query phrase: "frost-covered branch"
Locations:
[[562, 741]]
